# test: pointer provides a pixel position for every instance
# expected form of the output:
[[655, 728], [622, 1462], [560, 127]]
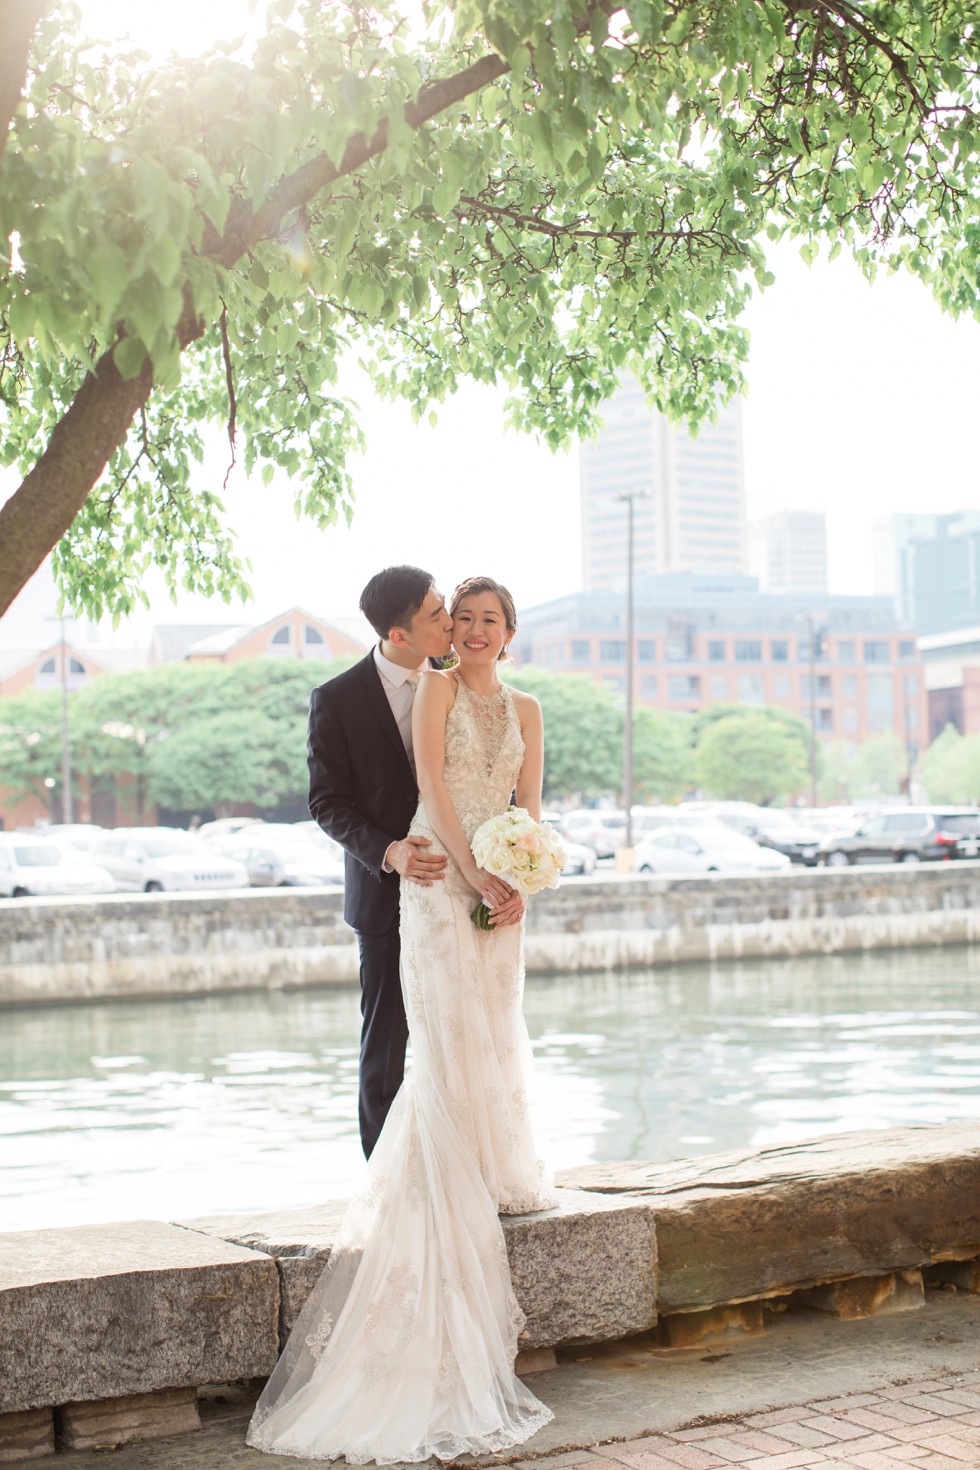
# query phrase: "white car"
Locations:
[[37, 865], [712, 848], [165, 859], [299, 863]]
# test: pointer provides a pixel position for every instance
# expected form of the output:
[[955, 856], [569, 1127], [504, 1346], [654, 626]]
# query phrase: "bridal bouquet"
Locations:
[[529, 855]]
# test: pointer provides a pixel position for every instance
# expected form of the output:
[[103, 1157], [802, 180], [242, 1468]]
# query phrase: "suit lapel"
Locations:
[[378, 702]]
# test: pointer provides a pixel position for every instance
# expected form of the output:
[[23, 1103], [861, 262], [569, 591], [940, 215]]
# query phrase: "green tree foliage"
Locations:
[[187, 735], [583, 747], [663, 760], [951, 767], [751, 757], [539, 194], [882, 765], [30, 744], [217, 761]]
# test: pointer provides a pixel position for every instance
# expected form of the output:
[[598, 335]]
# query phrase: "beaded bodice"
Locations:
[[484, 755]]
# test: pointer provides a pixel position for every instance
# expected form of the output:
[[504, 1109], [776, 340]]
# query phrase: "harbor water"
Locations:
[[247, 1102]]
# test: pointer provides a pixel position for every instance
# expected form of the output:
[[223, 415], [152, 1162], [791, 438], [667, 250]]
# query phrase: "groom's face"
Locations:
[[431, 631]]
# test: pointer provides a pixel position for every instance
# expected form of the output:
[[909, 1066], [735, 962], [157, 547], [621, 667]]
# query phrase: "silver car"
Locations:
[[165, 859]]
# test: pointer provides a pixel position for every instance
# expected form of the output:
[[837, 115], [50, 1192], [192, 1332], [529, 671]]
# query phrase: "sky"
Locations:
[[861, 401]]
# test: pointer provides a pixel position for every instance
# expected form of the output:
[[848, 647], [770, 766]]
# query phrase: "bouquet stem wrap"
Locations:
[[527, 854]]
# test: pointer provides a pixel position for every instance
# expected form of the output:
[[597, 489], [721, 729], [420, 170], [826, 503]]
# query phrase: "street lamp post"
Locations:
[[629, 496], [67, 807]]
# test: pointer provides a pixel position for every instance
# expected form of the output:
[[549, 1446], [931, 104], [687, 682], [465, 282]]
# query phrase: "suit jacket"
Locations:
[[362, 789]]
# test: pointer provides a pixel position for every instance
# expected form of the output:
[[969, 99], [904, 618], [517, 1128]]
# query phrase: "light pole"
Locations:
[[815, 636], [67, 807], [629, 496]]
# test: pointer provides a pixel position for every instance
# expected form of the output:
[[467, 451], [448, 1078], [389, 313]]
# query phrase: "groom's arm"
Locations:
[[333, 788]]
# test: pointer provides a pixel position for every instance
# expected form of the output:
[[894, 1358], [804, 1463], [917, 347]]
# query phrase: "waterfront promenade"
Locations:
[[877, 1394]]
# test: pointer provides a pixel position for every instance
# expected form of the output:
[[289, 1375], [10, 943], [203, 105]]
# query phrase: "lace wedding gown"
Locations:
[[406, 1346]]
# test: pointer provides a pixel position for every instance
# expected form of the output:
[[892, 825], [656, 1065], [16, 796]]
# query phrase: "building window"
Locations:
[[849, 717], [879, 718], [312, 635], [719, 686], [716, 650], [683, 686], [876, 651], [646, 651], [906, 649], [782, 686], [824, 687], [616, 683], [910, 686], [849, 686], [612, 650], [282, 636], [648, 686], [679, 643], [48, 667], [748, 651], [825, 719], [911, 718], [75, 666], [880, 692], [846, 651], [780, 651], [751, 689], [581, 651]]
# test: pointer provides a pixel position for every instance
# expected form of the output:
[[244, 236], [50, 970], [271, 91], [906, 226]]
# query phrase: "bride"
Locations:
[[406, 1346]]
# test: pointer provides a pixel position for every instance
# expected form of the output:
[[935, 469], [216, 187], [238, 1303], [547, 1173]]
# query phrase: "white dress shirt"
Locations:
[[399, 686]]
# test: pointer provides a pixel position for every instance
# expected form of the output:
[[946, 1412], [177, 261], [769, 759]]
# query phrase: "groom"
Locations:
[[363, 793]]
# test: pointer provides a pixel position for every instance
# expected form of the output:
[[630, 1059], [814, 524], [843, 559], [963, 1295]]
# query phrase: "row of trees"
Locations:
[[209, 737], [185, 736]]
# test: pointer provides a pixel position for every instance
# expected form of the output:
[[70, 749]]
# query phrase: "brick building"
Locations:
[[703, 640]]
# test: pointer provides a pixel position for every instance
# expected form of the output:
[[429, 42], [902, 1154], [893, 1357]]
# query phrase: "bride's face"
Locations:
[[480, 629]]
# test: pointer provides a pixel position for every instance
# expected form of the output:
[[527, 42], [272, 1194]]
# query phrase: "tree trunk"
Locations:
[[16, 31]]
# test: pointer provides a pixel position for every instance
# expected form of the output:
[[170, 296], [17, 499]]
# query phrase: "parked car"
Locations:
[[223, 827], [34, 866], [155, 859], [713, 848], [299, 863], [81, 836], [603, 831], [911, 835], [578, 858], [778, 830]]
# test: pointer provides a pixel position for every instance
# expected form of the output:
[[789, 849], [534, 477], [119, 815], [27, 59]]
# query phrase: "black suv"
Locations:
[[911, 835]]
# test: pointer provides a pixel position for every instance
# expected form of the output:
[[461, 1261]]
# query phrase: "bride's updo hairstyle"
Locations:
[[474, 585]]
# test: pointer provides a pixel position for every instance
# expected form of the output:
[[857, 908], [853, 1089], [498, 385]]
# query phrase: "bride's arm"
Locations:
[[532, 771], [430, 711]]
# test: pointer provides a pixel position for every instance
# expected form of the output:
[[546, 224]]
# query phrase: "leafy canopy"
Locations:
[[537, 194]]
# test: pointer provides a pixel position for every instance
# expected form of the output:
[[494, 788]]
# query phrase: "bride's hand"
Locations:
[[493, 891]]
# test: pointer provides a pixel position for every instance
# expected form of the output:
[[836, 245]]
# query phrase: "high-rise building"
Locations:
[[931, 566], [788, 551], [689, 505]]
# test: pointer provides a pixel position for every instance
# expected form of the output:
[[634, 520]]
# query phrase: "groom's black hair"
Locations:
[[393, 597]]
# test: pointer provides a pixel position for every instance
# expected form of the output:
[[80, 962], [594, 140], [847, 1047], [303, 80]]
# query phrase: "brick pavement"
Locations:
[[923, 1425]]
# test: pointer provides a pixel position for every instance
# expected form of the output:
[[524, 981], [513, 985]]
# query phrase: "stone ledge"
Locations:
[[584, 1272], [103, 1311], [743, 1226]]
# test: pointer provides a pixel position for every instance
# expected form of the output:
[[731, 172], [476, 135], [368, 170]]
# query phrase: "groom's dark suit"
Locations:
[[363, 794]]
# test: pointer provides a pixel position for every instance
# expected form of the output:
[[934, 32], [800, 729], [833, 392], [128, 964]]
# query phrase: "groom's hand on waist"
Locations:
[[410, 858]]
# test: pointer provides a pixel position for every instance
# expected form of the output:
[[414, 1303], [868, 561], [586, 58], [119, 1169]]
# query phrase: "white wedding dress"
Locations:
[[406, 1346]]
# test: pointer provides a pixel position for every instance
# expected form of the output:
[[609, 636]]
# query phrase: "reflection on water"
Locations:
[[244, 1102]]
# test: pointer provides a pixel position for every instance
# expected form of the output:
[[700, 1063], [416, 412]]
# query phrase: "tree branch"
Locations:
[[19, 24]]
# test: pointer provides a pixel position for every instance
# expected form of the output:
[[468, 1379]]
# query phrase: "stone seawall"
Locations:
[[109, 1330], [158, 944]]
